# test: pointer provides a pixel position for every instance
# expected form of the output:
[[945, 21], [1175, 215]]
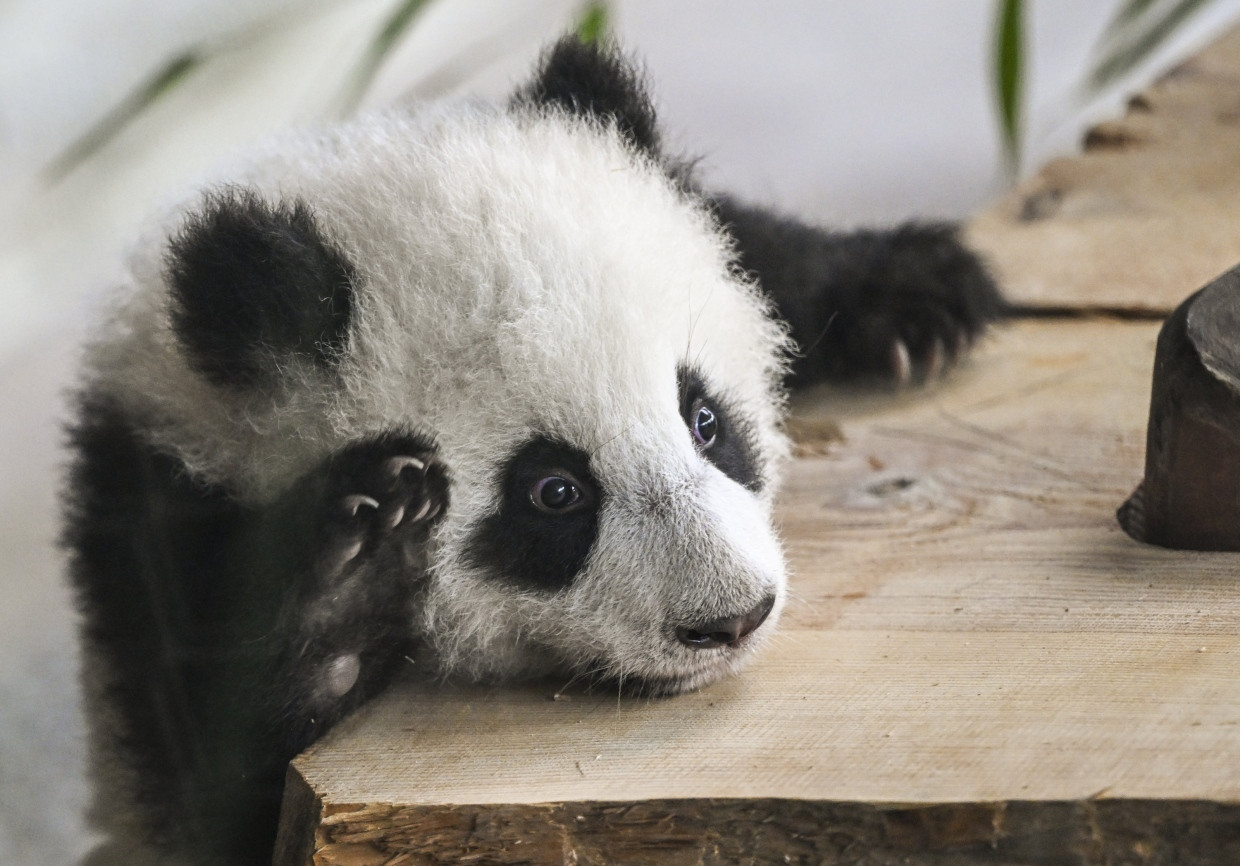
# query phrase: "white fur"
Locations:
[[518, 273]]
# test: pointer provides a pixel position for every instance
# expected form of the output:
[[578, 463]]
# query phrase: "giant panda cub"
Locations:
[[497, 389]]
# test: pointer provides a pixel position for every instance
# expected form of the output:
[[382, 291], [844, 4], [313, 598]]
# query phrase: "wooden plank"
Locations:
[[975, 657], [808, 833], [1145, 215]]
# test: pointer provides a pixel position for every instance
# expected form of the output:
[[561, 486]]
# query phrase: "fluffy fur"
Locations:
[[495, 386]]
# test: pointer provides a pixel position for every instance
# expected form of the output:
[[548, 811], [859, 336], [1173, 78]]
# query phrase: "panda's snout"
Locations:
[[726, 631]]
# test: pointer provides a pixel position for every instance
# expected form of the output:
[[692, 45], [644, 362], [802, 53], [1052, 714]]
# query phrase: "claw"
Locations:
[[396, 465], [357, 501], [394, 519], [964, 343], [335, 563], [901, 363], [430, 510], [936, 360], [423, 511]]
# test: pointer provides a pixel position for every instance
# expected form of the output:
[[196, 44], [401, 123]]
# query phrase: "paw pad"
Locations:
[[340, 674]]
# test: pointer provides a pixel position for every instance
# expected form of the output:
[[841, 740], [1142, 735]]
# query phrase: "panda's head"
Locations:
[[535, 288]]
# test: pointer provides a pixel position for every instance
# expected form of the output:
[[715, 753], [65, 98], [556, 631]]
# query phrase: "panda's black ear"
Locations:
[[594, 79], [254, 284]]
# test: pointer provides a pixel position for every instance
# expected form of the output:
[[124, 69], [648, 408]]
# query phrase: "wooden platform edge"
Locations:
[[301, 814], [1089, 832]]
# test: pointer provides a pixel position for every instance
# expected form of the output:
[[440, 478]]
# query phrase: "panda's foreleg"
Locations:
[[898, 305], [221, 639], [354, 534], [326, 607]]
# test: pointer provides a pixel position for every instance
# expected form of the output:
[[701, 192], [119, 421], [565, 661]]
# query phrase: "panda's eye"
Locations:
[[704, 423], [556, 494]]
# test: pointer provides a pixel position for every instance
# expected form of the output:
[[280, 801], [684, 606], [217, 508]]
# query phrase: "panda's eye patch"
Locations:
[[723, 435], [557, 493], [546, 518], [704, 424]]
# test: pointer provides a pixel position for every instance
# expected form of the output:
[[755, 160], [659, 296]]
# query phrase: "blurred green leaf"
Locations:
[[173, 73], [594, 22], [1009, 74], [389, 35], [1130, 11], [1139, 28]]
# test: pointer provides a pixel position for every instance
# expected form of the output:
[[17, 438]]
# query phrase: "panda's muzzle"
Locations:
[[726, 631]]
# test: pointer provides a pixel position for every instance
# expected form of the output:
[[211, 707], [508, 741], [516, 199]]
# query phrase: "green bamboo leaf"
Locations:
[[1009, 74], [594, 22], [1135, 34], [389, 35], [1130, 11], [110, 126]]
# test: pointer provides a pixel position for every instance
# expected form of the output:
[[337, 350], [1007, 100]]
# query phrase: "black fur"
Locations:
[[198, 606], [253, 283], [133, 522], [595, 80], [735, 449], [533, 548], [849, 297]]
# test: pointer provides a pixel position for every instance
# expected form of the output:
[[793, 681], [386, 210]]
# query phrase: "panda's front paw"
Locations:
[[337, 563], [915, 310], [386, 491]]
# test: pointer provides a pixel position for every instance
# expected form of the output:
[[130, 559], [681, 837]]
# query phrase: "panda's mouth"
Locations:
[[672, 677], [633, 686], [652, 686], [696, 655], [663, 687]]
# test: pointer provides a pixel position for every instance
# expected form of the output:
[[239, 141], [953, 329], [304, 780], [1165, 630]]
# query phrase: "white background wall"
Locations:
[[845, 112]]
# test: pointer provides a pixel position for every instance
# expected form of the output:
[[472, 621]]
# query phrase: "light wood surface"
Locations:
[[1145, 215], [969, 627]]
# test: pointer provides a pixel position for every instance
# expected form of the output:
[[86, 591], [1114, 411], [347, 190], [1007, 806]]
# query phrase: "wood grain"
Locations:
[[975, 657], [1145, 215], [808, 833]]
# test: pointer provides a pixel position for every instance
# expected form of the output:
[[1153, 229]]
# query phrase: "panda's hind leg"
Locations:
[[898, 305]]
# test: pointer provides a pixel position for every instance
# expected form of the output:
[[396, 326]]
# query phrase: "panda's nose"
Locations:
[[727, 631]]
